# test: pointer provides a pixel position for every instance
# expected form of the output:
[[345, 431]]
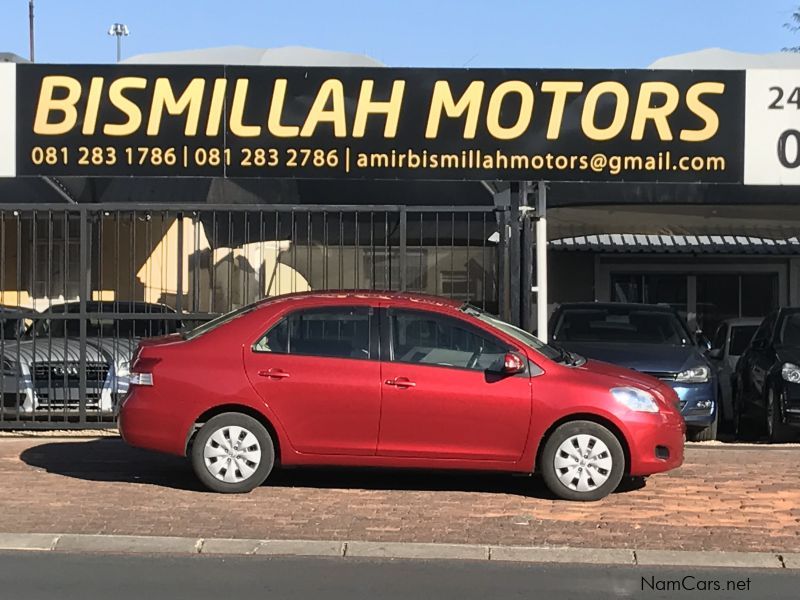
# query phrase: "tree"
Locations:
[[793, 25]]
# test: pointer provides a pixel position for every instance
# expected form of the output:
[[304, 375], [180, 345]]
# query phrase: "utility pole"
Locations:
[[30, 28], [118, 30]]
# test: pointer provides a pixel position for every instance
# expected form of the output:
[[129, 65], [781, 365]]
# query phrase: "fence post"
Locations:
[[83, 292], [402, 249]]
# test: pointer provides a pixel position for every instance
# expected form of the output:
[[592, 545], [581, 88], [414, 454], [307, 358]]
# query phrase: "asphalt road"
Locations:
[[42, 576]]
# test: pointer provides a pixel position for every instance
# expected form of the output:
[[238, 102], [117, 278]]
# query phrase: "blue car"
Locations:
[[652, 339]]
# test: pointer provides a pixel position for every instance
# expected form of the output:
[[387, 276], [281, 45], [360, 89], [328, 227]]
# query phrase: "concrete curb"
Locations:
[[135, 544]]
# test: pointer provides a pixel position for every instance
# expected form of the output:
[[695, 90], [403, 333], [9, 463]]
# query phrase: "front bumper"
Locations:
[[656, 442], [698, 402]]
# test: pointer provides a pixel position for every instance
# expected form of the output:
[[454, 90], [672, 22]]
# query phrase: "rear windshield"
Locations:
[[220, 320], [631, 326]]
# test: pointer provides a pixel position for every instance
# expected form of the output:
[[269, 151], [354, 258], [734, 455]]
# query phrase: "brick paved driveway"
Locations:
[[723, 498]]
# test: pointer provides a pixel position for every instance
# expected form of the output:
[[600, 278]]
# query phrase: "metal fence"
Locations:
[[80, 285]]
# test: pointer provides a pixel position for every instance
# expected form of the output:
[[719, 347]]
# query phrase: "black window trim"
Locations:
[[387, 340], [372, 325]]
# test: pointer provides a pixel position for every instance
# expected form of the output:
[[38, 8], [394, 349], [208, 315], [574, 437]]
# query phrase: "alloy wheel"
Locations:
[[232, 454], [583, 463]]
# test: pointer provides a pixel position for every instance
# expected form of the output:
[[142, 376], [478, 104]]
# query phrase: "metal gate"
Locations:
[[80, 285]]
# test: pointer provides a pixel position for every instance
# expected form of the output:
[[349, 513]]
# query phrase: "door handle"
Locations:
[[274, 373], [401, 382]]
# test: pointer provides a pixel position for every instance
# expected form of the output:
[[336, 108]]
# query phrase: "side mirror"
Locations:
[[715, 353], [513, 363]]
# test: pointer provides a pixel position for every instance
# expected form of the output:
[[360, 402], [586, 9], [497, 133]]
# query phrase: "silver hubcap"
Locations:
[[583, 463], [232, 454]]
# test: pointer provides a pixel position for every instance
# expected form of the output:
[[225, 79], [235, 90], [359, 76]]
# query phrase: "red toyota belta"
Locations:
[[393, 380]]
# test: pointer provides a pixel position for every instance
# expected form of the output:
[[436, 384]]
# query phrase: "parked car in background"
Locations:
[[14, 321], [648, 338], [393, 380], [767, 393], [42, 369], [730, 341]]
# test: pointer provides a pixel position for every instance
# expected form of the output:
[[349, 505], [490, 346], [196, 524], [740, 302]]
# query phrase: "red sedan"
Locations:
[[393, 380]]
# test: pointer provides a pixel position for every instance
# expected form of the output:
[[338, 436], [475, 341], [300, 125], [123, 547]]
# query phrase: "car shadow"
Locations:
[[111, 460]]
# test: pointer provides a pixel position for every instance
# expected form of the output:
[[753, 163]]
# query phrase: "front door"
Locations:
[[440, 397], [318, 371]]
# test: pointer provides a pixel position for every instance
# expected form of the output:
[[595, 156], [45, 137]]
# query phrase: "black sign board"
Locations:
[[380, 123]]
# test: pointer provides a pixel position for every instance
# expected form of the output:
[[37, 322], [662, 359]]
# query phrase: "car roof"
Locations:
[[344, 295], [131, 306], [618, 305], [744, 321]]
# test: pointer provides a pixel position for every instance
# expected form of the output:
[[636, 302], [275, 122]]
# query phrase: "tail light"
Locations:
[[142, 370]]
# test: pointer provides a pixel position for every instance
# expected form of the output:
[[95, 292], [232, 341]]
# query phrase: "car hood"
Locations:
[[648, 358], [790, 354], [68, 349], [619, 375]]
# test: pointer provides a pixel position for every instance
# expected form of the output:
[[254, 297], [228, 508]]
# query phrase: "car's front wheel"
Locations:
[[583, 461], [777, 431], [232, 453]]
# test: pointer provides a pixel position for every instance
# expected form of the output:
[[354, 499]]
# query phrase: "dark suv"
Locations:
[[649, 338]]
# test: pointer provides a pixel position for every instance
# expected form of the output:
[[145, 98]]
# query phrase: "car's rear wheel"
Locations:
[[582, 461], [232, 453]]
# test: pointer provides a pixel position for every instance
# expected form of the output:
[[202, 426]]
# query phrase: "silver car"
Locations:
[[41, 370], [731, 339]]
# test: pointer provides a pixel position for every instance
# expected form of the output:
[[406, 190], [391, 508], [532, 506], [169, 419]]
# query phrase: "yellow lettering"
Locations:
[[237, 112], [496, 106], [705, 112], [442, 101], [623, 101], [560, 90], [128, 108], [367, 106], [659, 115], [216, 107], [164, 98], [92, 106], [331, 90], [48, 104], [276, 111]]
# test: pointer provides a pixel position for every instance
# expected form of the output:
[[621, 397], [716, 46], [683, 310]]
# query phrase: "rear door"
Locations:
[[440, 398], [317, 369]]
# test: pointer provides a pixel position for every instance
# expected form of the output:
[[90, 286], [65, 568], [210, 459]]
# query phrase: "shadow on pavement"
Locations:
[[111, 460]]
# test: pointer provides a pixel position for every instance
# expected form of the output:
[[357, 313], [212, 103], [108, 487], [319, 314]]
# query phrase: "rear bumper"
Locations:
[[146, 421], [656, 444]]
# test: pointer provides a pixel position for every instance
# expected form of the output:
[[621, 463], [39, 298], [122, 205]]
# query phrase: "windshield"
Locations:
[[740, 338], [620, 325], [790, 330], [522, 336]]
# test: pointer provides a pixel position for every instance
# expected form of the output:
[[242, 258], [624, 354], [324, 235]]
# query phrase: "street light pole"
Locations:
[[30, 27], [118, 30]]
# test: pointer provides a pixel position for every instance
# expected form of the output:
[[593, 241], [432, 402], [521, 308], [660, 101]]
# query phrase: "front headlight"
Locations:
[[790, 373], [695, 375], [10, 368], [635, 399]]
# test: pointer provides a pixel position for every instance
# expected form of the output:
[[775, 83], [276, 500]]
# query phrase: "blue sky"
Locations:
[[447, 33]]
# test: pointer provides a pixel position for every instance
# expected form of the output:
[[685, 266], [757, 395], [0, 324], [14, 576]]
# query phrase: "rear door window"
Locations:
[[336, 332]]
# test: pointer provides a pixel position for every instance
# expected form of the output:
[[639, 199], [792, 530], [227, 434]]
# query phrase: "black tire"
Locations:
[[551, 474], [744, 428], [777, 431], [222, 424], [707, 434]]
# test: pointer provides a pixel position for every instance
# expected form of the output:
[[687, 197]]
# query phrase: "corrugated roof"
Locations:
[[678, 244], [288, 56], [719, 58]]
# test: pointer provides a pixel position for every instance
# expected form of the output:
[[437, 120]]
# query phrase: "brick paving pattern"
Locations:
[[723, 498]]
